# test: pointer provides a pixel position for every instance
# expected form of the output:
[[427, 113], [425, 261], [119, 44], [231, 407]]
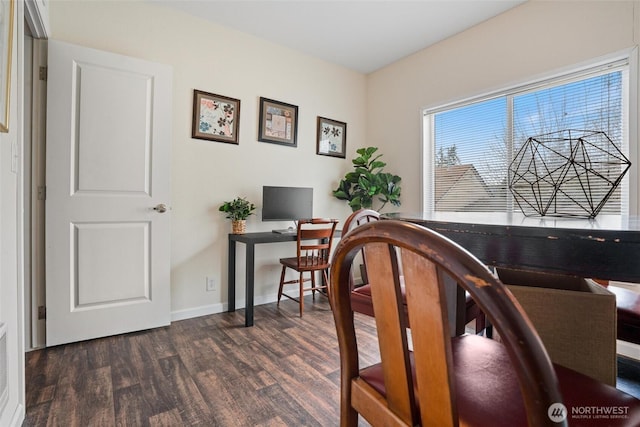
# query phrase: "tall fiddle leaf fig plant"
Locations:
[[368, 183]]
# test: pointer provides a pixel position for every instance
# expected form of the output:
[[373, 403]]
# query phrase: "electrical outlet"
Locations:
[[211, 284]]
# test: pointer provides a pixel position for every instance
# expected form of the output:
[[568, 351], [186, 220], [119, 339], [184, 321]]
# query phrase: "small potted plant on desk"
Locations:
[[238, 210]]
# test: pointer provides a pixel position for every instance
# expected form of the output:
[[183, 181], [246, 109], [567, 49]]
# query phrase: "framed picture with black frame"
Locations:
[[215, 117], [278, 122], [331, 138]]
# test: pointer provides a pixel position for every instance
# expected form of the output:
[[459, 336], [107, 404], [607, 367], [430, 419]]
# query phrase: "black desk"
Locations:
[[251, 240], [607, 247]]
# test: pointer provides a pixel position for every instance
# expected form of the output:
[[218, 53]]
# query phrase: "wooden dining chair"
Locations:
[[361, 295], [357, 218], [314, 241], [445, 381]]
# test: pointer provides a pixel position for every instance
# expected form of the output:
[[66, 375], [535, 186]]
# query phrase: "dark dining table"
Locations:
[[606, 247]]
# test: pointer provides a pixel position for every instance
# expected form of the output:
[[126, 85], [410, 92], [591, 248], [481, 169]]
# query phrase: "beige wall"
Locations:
[[213, 59], [536, 39]]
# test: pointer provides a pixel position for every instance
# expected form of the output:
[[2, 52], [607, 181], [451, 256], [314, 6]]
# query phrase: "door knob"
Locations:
[[161, 208]]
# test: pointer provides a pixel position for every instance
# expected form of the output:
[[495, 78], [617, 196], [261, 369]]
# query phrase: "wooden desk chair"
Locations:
[[444, 381], [361, 295], [315, 237]]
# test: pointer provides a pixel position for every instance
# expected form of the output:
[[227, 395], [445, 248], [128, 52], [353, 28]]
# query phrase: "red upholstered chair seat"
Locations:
[[361, 303], [628, 306], [361, 300], [492, 397]]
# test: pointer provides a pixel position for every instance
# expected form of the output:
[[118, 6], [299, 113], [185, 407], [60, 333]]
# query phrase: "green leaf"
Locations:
[[359, 161], [352, 176], [377, 165], [370, 150], [340, 195]]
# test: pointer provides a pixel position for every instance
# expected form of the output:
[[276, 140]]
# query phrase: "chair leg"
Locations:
[[348, 415], [488, 330], [313, 284], [301, 294], [480, 322], [284, 269], [325, 275]]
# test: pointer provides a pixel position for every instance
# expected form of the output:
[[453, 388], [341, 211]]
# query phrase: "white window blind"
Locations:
[[472, 147]]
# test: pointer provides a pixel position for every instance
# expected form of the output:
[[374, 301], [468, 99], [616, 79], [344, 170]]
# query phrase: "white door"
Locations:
[[107, 167]]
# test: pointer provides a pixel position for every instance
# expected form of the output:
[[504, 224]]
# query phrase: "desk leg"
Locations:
[[231, 279], [248, 311]]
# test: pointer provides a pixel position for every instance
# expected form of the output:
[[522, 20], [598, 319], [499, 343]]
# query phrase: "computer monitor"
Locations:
[[286, 203]]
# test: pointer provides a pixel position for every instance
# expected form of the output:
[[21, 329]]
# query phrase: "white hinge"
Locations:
[[43, 73], [42, 192]]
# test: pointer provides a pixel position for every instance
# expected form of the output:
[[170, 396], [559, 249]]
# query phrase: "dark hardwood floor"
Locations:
[[207, 371]]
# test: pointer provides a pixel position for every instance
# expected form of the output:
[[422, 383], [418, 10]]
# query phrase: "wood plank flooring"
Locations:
[[207, 371]]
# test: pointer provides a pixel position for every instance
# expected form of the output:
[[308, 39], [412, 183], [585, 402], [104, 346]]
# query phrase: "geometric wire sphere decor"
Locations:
[[566, 173]]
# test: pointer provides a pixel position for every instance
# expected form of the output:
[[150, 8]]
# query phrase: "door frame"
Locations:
[[35, 197], [36, 19]]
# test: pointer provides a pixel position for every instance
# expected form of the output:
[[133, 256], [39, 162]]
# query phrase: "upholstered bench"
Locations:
[[575, 318]]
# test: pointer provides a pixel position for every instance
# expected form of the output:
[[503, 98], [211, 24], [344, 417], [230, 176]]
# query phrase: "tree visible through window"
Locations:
[[474, 143]]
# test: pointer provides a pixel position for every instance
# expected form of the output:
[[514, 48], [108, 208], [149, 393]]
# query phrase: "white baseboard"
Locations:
[[206, 310], [628, 349], [203, 310]]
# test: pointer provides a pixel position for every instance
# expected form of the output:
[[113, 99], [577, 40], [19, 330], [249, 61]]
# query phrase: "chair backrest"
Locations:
[[357, 218], [428, 259], [315, 238]]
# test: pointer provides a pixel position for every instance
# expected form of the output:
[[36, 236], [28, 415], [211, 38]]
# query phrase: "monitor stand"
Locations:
[[290, 230], [286, 231]]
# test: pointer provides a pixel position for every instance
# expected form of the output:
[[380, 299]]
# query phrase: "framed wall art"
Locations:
[[215, 117], [6, 41], [331, 138], [278, 122]]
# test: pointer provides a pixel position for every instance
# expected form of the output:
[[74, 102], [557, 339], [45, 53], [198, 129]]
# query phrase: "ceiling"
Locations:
[[362, 35]]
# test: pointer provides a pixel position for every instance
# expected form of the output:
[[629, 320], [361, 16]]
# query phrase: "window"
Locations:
[[520, 138]]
